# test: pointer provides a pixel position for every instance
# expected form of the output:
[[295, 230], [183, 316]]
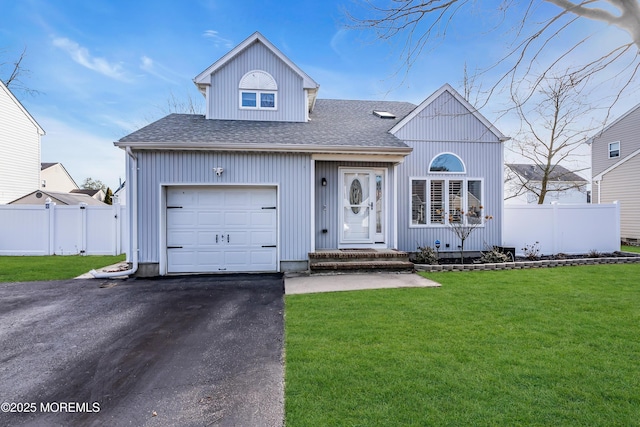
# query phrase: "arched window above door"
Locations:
[[447, 162]]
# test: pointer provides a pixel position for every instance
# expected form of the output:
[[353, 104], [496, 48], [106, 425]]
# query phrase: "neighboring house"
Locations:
[[524, 181], [272, 173], [40, 197], [19, 148], [96, 194], [615, 169], [54, 177]]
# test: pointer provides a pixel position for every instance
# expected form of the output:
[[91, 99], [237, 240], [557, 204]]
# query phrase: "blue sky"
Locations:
[[106, 68]]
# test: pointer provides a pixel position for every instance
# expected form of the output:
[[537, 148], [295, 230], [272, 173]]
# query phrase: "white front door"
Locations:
[[214, 229], [363, 206]]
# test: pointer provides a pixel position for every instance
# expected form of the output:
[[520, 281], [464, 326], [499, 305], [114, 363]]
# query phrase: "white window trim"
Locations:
[[258, 93], [464, 166], [618, 150], [445, 197]]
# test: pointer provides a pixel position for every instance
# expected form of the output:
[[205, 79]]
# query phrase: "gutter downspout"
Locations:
[[133, 221]]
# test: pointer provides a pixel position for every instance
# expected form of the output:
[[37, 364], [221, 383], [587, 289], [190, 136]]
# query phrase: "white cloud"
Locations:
[[150, 66], [218, 41], [82, 56]]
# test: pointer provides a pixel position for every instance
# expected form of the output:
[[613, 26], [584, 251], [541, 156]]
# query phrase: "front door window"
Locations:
[[363, 206]]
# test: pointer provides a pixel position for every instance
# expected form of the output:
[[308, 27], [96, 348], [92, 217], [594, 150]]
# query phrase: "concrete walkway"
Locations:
[[354, 282]]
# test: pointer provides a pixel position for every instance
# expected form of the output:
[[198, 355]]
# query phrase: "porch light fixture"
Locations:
[[324, 182]]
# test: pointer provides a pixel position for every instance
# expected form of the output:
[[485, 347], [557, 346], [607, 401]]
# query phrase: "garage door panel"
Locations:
[[266, 218], [207, 238], [180, 217], [236, 218], [260, 237], [221, 229], [181, 197], [182, 238], [262, 199], [210, 199], [206, 218]]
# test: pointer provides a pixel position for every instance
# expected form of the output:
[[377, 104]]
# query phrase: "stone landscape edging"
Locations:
[[519, 265]]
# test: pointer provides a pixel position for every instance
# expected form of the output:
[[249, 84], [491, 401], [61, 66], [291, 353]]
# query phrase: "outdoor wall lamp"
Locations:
[[324, 182]]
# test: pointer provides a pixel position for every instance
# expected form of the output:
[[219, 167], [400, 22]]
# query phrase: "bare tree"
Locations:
[[186, 105], [13, 72], [533, 30], [553, 132]]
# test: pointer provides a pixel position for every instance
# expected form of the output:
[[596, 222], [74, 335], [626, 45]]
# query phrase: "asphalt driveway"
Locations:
[[188, 351]]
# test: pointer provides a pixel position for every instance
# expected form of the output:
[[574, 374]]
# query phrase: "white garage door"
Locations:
[[221, 229]]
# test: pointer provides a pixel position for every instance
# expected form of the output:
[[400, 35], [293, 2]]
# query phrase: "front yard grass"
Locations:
[[630, 248], [543, 347], [37, 268]]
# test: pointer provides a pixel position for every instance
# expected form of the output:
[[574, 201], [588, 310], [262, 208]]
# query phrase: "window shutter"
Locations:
[[455, 201], [437, 202]]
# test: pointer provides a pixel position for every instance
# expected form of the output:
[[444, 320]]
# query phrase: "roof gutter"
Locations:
[[133, 221], [282, 148]]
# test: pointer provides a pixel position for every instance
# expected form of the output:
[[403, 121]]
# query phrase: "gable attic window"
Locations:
[[614, 149], [258, 91]]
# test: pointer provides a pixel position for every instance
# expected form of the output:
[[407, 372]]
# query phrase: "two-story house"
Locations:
[[615, 169], [19, 148], [273, 173]]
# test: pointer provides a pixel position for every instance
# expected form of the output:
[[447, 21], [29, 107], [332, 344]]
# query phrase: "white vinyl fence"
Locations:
[[63, 230], [569, 229]]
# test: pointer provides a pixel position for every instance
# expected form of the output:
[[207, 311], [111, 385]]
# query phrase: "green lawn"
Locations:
[[503, 348], [36, 268], [630, 248]]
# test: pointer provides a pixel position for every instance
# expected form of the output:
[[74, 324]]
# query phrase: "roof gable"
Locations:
[[202, 79], [446, 88], [21, 107], [612, 124], [619, 163]]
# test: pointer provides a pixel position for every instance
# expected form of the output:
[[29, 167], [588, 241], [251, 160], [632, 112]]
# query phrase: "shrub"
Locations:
[[426, 255], [593, 253], [532, 252], [494, 255]]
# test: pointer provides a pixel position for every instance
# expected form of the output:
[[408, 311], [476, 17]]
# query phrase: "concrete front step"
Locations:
[[378, 265]]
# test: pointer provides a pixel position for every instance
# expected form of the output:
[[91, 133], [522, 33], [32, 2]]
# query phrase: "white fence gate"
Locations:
[[63, 230], [569, 229]]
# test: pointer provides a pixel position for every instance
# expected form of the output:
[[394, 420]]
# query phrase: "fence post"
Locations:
[[616, 204], [555, 229], [51, 225], [115, 209], [83, 224]]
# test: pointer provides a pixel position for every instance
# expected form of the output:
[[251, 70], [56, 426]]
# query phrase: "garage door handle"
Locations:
[[174, 207], [268, 246], [174, 247], [268, 207]]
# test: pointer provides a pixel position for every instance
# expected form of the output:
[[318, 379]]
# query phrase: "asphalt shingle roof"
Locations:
[[535, 173], [332, 123]]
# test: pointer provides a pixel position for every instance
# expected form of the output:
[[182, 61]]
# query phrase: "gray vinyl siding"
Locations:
[[626, 131], [615, 185], [224, 92], [328, 200], [290, 171], [483, 161], [445, 119]]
